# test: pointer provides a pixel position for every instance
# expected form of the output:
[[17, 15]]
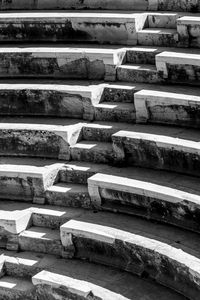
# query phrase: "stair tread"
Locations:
[[15, 284], [158, 30], [42, 233], [68, 188], [151, 68]]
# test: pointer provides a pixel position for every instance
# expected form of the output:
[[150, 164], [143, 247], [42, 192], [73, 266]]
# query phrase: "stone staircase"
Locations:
[[100, 149]]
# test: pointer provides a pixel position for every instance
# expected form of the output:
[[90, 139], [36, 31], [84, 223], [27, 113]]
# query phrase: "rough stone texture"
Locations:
[[157, 152], [70, 27], [59, 63], [167, 265]]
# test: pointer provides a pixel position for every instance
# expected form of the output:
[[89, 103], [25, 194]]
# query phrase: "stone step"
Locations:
[[142, 55], [137, 5], [60, 62], [179, 67], [49, 99], [92, 151], [16, 288], [68, 195], [35, 139], [169, 256], [40, 239], [188, 30], [158, 37], [114, 112], [155, 106], [104, 282], [162, 20], [138, 73], [76, 5], [93, 27], [142, 198], [178, 153], [26, 179], [39, 215]]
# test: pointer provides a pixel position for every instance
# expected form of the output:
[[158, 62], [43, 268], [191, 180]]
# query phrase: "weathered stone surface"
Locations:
[[167, 108], [135, 253], [78, 63], [189, 31], [179, 67], [38, 140], [121, 194], [48, 100], [157, 152], [110, 28]]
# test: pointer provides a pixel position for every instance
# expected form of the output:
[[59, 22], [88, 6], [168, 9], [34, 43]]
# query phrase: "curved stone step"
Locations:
[[35, 139], [155, 251], [104, 28], [154, 106], [92, 151], [49, 99], [178, 153], [60, 62], [158, 37], [104, 283], [70, 195], [143, 198], [26, 179]]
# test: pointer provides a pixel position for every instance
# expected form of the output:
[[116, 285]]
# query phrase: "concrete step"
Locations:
[[40, 239], [37, 138], [158, 37], [68, 195], [60, 62], [169, 256], [103, 282], [92, 151], [138, 73], [168, 151], [93, 27], [16, 288]]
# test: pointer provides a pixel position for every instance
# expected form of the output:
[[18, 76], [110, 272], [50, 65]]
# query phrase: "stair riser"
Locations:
[[76, 200], [179, 5], [70, 175], [141, 57], [64, 29], [130, 75], [156, 39], [93, 155], [118, 93], [114, 114], [53, 247], [44, 103]]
